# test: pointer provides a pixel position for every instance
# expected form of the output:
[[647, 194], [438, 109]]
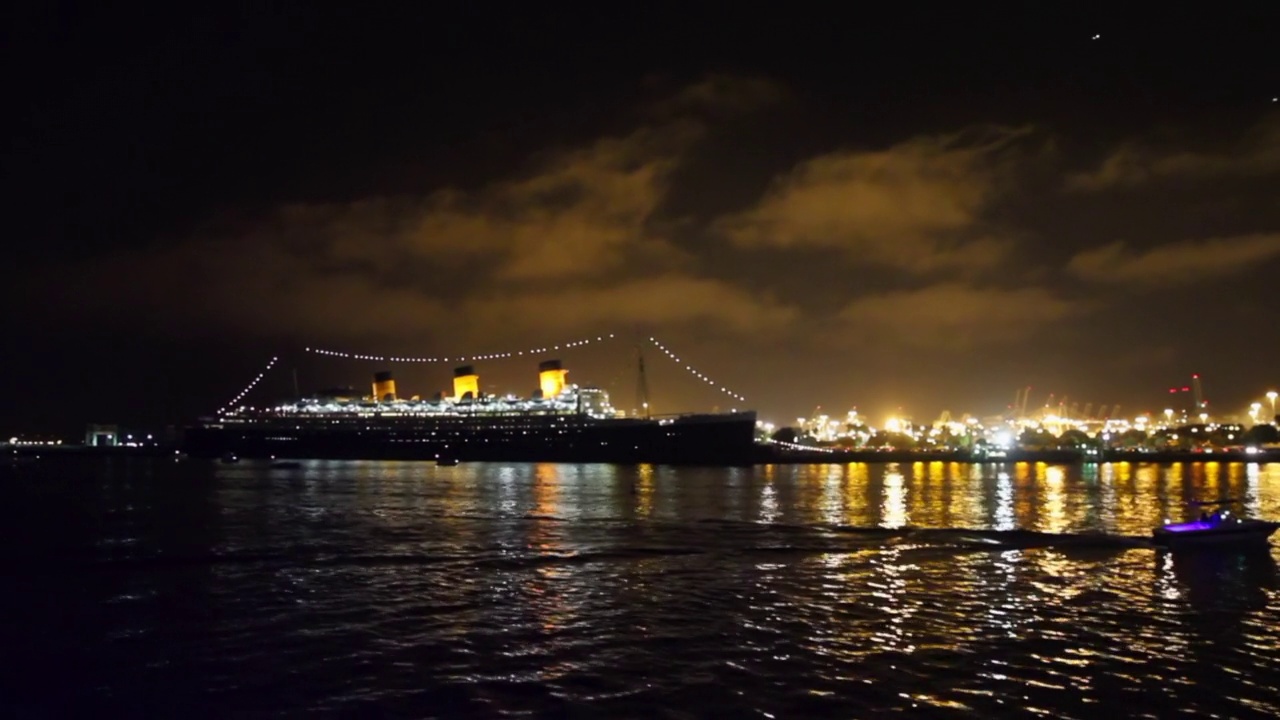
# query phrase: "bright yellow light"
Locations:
[[464, 384], [384, 389], [552, 382]]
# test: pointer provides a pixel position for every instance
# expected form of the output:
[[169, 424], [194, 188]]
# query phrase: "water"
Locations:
[[487, 590]]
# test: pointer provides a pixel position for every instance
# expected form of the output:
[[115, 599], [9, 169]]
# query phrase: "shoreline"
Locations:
[[763, 455]]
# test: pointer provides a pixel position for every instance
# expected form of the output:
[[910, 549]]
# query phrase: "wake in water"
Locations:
[[1015, 539]]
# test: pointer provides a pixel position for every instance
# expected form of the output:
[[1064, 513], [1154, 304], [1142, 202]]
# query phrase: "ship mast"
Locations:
[[642, 384]]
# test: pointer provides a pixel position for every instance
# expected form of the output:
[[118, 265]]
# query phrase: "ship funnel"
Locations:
[[384, 387], [466, 383], [551, 378]]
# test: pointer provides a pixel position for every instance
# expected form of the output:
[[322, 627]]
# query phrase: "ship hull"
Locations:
[[724, 439]]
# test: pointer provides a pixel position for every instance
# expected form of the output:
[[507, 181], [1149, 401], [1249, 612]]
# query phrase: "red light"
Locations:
[[1173, 390], [1195, 376], [1186, 389]]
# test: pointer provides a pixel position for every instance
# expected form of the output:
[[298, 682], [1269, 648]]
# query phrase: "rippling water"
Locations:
[[486, 590]]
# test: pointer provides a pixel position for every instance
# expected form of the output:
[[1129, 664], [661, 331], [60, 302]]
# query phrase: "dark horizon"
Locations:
[[916, 211]]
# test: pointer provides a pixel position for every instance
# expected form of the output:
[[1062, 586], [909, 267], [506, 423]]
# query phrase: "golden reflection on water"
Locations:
[[832, 507], [1054, 511], [917, 494], [1252, 482], [1237, 471], [1269, 490], [1120, 498], [1107, 475], [1151, 476], [857, 479], [880, 592], [546, 489], [543, 537], [968, 482], [937, 472], [1025, 507], [1207, 476], [1124, 471], [644, 491], [894, 505], [1123, 498]]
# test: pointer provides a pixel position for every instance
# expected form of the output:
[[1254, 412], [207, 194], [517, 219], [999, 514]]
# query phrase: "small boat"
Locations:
[[446, 461], [1220, 528], [229, 458], [285, 465]]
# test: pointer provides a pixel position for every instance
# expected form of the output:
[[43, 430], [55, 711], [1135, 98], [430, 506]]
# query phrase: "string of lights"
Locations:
[[235, 400], [460, 358], [696, 373], [797, 446]]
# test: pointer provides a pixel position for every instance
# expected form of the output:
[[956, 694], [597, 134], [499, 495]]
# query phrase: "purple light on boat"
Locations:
[[1189, 527]]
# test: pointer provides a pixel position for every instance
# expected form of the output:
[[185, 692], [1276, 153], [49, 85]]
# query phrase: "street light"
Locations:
[[1253, 412], [1271, 395]]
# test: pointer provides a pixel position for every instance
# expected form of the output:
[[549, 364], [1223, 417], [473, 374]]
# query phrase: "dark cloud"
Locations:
[[721, 93], [956, 316], [1177, 263], [1136, 163], [567, 247]]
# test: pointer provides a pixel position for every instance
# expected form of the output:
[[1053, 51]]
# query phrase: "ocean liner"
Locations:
[[561, 422]]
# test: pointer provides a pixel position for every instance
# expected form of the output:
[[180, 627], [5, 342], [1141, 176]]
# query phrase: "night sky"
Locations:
[[925, 210]]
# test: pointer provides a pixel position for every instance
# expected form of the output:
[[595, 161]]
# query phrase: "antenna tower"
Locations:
[[642, 383]]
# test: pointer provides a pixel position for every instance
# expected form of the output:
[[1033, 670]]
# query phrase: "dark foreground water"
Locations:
[[403, 589]]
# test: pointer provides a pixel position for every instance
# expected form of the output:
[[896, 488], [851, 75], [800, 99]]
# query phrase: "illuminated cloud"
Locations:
[[588, 212], [954, 315], [1135, 164], [1177, 263], [667, 301], [917, 206]]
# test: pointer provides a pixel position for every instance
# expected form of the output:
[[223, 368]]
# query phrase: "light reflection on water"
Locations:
[[1004, 501], [816, 591], [894, 513], [1054, 512]]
